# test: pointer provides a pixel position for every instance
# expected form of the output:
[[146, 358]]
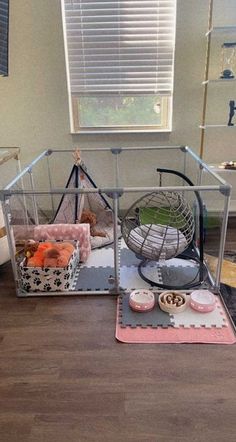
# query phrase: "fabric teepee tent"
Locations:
[[71, 205]]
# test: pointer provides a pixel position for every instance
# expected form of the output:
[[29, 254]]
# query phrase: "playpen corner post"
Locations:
[[116, 151], [50, 182], [35, 209], [9, 232], [226, 191], [116, 195]]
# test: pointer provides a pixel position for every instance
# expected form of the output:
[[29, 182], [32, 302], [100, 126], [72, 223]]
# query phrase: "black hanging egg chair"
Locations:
[[160, 226]]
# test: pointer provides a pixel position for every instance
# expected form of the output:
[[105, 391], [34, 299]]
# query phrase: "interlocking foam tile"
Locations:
[[178, 262], [172, 335], [154, 318], [128, 258], [153, 273], [130, 279], [180, 275], [74, 282], [191, 318], [175, 270], [100, 258], [94, 278]]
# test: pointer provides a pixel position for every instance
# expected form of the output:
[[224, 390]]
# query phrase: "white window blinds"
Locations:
[[124, 46]]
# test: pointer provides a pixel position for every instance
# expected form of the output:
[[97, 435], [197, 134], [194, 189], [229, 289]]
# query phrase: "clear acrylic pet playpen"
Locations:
[[9, 167], [125, 178]]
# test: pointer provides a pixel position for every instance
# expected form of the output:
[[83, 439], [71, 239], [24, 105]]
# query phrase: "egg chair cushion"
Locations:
[[156, 241]]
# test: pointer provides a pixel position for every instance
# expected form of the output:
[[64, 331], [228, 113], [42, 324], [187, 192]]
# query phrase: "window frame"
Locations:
[[75, 128]]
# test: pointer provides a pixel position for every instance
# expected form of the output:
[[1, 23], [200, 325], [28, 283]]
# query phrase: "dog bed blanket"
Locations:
[[150, 240]]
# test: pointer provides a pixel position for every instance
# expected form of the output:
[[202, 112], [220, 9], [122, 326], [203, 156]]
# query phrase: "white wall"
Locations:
[[33, 99]]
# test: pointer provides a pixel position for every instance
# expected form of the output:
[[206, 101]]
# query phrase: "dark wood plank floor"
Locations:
[[65, 378]]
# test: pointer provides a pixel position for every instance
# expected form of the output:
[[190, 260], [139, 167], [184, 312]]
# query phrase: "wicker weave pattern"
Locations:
[[159, 225]]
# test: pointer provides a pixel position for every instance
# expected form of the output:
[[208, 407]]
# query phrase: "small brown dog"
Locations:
[[89, 217]]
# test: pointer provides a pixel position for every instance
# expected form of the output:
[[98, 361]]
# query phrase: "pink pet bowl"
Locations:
[[202, 300], [141, 300]]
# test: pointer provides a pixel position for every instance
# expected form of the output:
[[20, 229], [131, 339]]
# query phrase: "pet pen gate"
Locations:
[[126, 185], [9, 167]]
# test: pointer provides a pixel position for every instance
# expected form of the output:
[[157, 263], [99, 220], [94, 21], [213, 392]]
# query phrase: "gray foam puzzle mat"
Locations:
[[95, 273], [180, 275], [93, 278], [128, 258], [130, 279], [177, 276], [155, 318], [100, 258]]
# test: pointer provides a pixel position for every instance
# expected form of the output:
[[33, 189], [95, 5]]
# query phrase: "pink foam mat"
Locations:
[[176, 335]]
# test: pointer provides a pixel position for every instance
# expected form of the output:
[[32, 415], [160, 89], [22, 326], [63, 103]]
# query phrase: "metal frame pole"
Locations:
[[223, 237], [207, 65], [6, 215], [116, 287], [50, 184], [22, 186], [35, 209]]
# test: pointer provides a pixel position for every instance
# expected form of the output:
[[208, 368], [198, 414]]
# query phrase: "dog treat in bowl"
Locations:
[[141, 300], [172, 302]]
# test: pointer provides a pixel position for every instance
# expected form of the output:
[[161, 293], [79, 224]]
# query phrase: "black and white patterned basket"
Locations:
[[49, 279]]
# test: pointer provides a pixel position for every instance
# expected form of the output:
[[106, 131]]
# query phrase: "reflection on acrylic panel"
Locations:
[[232, 109], [228, 60]]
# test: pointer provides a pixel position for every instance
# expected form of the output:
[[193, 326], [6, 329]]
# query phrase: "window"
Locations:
[[120, 58], [4, 17]]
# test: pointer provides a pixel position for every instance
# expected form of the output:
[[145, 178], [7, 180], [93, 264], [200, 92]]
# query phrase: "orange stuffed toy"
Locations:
[[59, 255], [66, 249], [37, 260], [51, 255]]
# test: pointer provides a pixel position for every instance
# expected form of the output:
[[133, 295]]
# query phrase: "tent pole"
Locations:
[[76, 195]]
